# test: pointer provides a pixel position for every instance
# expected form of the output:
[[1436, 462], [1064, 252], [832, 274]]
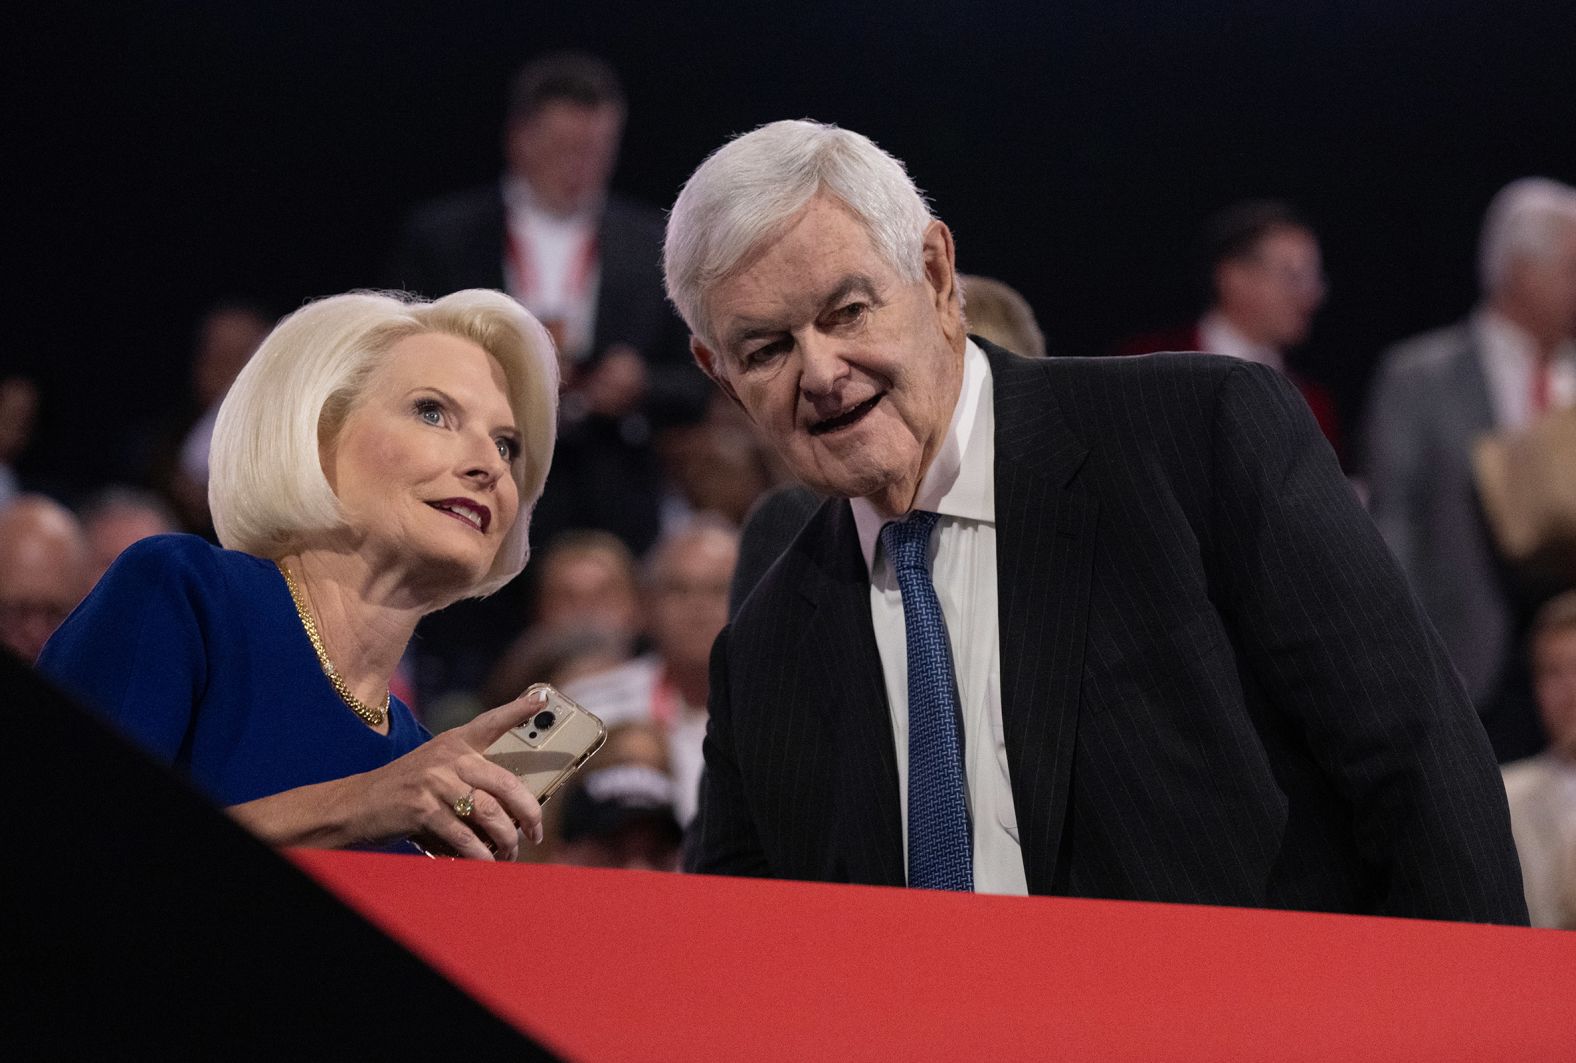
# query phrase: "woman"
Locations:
[[375, 461]]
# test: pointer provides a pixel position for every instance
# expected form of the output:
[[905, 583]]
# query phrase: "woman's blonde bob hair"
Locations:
[[266, 488]]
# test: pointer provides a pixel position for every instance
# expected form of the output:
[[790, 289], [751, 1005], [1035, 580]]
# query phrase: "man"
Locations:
[[686, 596], [584, 261], [1265, 281], [1095, 627], [1542, 789], [1434, 396], [44, 571]]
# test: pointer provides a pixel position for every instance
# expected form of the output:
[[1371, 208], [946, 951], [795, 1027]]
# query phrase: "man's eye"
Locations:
[[766, 352], [848, 315]]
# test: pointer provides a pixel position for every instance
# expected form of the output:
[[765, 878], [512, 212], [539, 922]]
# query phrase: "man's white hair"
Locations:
[[1523, 219], [748, 190], [266, 488]]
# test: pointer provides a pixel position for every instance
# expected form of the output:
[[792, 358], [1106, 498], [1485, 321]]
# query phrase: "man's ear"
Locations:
[[711, 365], [941, 277]]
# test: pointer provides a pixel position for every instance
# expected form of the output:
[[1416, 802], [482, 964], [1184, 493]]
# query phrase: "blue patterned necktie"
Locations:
[[940, 850]]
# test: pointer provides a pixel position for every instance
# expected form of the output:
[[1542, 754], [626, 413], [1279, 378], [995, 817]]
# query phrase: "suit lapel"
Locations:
[[1045, 522], [850, 694]]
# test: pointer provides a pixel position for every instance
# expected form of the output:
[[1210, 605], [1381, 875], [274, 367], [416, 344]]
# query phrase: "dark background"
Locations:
[[165, 154]]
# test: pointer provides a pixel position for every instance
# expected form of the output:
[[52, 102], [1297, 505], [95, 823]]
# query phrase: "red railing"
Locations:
[[608, 965]]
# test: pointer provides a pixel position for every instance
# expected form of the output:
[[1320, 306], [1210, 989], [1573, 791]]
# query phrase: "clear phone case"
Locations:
[[546, 750]]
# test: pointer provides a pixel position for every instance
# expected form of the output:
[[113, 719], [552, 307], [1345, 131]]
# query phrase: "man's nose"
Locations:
[[821, 366]]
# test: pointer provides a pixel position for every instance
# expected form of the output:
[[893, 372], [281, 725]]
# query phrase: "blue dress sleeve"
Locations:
[[135, 650]]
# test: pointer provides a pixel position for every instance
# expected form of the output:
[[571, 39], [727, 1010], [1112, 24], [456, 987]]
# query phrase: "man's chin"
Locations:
[[844, 483]]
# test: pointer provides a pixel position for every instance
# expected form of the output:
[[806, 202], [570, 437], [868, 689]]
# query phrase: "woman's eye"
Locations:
[[429, 411], [508, 449]]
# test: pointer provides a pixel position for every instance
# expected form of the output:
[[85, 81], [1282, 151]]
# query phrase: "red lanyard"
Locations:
[[664, 702], [525, 275], [1542, 385]]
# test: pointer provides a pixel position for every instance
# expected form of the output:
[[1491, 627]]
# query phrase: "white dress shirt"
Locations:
[[1219, 336], [960, 485], [1542, 795], [1509, 359], [561, 285]]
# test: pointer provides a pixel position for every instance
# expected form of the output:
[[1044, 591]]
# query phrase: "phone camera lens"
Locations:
[[543, 720]]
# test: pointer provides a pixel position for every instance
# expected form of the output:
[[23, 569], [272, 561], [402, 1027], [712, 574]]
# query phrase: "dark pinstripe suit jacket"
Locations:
[[1216, 686]]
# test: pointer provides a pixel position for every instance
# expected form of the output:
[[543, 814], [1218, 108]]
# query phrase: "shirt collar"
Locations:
[[1501, 338], [519, 199], [1218, 335], [961, 480]]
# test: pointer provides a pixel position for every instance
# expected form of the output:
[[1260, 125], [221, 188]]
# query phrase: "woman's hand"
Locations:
[[416, 795]]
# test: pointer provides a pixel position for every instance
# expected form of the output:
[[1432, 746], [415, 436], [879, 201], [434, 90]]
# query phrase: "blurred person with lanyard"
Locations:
[[376, 460], [1434, 397], [1104, 627], [584, 260]]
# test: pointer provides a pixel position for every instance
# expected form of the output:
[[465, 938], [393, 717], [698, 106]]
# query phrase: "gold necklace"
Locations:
[[374, 717]]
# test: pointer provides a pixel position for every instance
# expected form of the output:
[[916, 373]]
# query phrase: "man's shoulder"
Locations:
[[1088, 390], [1428, 355]]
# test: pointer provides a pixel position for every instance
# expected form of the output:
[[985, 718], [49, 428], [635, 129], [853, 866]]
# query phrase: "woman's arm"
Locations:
[[413, 796]]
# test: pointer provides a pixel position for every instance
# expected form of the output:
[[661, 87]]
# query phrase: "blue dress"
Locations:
[[197, 655]]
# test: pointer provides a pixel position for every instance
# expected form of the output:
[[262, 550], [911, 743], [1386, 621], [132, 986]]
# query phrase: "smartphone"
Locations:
[[546, 750]]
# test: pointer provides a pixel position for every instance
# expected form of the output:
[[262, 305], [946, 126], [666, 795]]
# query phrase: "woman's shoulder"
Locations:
[[181, 551], [186, 559]]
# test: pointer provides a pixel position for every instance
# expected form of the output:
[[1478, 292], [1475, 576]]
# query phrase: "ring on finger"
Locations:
[[464, 806]]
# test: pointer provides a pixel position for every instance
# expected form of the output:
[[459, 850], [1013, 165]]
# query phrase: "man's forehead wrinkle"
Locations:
[[763, 310], [795, 307]]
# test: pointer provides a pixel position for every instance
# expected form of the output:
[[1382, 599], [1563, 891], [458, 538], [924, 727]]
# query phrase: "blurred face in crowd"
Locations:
[[850, 370], [589, 588], [566, 152], [228, 339], [43, 573], [111, 531], [1539, 292], [689, 595], [424, 462], [1272, 293], [719, 468], [1554, 679]]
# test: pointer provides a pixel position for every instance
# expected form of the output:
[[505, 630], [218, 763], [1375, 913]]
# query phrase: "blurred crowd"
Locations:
[[638, 536]]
